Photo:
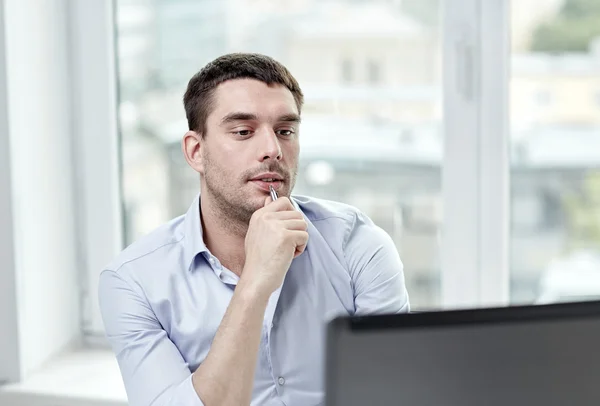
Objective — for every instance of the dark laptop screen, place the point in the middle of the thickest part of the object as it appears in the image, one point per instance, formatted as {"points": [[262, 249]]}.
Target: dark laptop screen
{"points": [[527, 355]]}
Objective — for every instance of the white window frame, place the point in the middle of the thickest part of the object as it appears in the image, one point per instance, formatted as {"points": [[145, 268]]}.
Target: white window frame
{"points": [[474, 236], [97, 142], [474, 248], [39, 220], [9, 346]]}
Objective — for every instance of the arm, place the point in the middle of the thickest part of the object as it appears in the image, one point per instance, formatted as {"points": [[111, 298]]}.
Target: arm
{"points": [[276, 234], [153, 370], [375, 268], [226, 377]]}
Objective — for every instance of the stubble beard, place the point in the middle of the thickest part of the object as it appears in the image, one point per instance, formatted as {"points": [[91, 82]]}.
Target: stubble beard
{"points": [[232, 210], [231, 206]]}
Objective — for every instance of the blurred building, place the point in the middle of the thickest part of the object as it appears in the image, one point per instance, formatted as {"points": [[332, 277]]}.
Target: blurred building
{"points": [[555, 89], [135, 26], [189, 34], [162, 43], [367, 60]]}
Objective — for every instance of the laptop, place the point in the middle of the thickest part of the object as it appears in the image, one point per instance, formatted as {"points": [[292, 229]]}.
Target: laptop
{"points": [[545, 355]]}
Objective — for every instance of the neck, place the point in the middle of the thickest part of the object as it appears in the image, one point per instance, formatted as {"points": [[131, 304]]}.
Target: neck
{"points": [[223, 236]]}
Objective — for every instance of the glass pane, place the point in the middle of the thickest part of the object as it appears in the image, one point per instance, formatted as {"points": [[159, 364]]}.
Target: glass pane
{"points": [[555, 120], [372, 122]]}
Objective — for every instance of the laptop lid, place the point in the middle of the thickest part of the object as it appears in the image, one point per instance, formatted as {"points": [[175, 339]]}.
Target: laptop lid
{"points": [[523, 355]]}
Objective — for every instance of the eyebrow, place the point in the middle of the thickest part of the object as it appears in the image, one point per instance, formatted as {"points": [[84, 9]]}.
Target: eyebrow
{"points": [[290, 118], [240, 116]]}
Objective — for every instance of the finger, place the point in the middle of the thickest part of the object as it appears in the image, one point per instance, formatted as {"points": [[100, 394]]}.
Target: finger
{"points": [[300, 238], [298, 252], [286, 215], [294, 224], [281, 204], [267, 200]]}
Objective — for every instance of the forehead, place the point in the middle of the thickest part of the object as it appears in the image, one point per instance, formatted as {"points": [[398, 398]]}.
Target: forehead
{"points": [[253, 96]]}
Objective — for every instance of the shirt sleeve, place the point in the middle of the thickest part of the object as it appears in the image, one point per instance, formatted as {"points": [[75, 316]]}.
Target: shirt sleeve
{"points": [[152, 368], [376, 269]]}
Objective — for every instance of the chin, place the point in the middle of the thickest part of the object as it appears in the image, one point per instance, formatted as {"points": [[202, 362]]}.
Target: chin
{"points": [[256, 203]]}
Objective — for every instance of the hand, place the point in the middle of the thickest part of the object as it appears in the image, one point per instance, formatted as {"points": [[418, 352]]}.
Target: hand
{"points": [[276, 235]]}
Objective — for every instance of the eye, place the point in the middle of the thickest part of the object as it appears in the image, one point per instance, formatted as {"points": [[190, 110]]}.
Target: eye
{"points": [[285, 133], [242, 133]]}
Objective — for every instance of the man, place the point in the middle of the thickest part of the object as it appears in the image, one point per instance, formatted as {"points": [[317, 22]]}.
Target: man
{"points": [[228, 304]]}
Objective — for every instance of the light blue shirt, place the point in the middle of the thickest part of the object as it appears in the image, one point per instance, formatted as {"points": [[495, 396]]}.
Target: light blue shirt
{"points": [[163, 298]]}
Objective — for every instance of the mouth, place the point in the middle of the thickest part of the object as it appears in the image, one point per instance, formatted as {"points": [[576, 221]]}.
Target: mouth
{"points": [[263, 181], [264, 184]]}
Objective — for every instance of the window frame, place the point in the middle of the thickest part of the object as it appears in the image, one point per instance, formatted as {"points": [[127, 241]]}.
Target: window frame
{"points": [[96, 139], [10, 369], [476, 194], [475, 168]]}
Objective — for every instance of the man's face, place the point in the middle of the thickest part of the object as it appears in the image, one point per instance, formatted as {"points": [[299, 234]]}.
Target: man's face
{"points": [[251, 142]]}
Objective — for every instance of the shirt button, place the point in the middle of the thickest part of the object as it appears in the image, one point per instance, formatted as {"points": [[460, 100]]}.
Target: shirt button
{"points": [[281, 380], [272, 325]]}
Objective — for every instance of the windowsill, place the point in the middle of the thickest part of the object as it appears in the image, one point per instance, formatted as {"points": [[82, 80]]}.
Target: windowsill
{"points": [[77, 378]]}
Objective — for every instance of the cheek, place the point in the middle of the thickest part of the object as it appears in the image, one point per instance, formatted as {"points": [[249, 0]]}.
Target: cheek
{"points": [[239, 153], [229, 151], [291, 151], [220, 155], [233, 159]]}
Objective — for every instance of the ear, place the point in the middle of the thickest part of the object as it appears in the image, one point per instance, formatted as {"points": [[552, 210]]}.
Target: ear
{"points": [[191, 145]]}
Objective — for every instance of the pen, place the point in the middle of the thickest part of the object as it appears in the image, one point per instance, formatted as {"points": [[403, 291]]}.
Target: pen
{"points": [[273, 193]]}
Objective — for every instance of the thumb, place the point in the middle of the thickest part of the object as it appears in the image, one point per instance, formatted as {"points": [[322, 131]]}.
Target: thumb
{"points": [[268, 200]]}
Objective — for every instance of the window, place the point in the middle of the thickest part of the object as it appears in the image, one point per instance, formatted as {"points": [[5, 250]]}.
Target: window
{"points": [[377, 148], [431, 173], [347, 69], [555, 179], [543, 98], [373, 72]]}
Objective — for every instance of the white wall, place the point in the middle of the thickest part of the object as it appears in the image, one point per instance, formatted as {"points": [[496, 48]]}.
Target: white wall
{"points": [[40, 127]]}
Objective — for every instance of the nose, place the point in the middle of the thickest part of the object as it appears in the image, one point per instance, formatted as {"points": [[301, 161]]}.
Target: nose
{"points": [[270, 147]]}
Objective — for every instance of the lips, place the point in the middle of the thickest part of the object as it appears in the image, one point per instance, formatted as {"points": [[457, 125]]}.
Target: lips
{"points": [[264, 180], [264, 185]]}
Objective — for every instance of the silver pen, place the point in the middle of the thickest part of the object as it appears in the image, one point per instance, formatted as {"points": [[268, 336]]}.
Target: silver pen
{"points": [[273, 193]]}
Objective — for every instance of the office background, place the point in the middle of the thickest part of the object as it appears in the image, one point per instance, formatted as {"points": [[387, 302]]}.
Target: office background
{"points": [[470, 133]]}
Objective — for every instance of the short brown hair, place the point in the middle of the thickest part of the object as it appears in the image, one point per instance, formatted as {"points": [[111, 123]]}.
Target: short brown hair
{"points": [[198, 98]]}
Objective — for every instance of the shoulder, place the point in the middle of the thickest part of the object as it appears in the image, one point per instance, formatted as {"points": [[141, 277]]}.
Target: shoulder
{"points": [[348, 221], [317, 210], [367, 252], [348, 232], [160, 246]]}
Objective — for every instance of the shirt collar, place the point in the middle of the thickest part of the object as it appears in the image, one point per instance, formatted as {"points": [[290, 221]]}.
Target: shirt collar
{"points": [[193, 243]]}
